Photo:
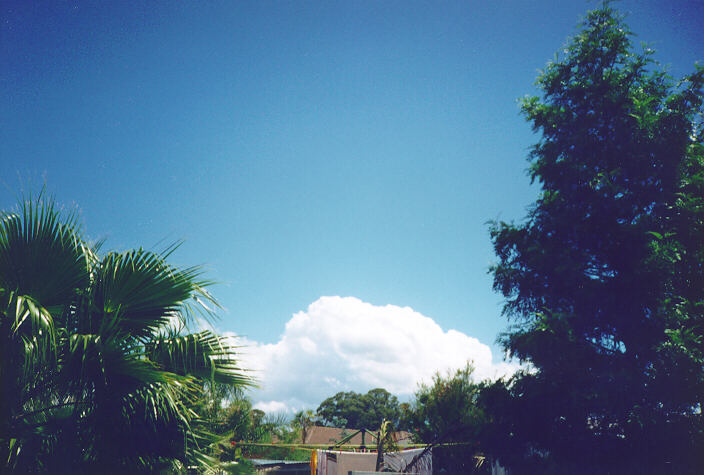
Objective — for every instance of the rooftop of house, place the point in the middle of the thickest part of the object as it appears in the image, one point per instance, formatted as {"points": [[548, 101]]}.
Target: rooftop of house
{"points": [[320, 435]]}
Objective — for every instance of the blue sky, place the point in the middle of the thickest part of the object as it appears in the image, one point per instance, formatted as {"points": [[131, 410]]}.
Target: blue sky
{"points": [[301, 149]]}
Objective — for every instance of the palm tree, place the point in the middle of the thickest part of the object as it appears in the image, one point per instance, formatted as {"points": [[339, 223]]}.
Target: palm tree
{"points": [[97, 371]]}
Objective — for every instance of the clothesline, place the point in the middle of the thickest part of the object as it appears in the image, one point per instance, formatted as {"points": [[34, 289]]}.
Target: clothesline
{"points": [[342, 448]]}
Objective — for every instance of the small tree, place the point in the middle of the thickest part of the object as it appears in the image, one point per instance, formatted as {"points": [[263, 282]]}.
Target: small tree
{"points": [[304, 420], [447, 411], [605, 279]]}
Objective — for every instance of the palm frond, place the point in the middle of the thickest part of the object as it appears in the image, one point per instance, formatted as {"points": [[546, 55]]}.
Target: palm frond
{"points": [[145, 291], [41, 255], [94, 374], [28, 321], [204, 354]]}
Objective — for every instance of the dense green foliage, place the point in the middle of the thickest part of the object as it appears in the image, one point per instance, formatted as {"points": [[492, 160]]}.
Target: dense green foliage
{"points": [[237, 426], [447, 411], [253, 425], [359, 411], [97, 374], [604, 281]]}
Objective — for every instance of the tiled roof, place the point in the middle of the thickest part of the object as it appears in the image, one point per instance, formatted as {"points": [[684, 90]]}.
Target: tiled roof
{"points": [[319, 435]]}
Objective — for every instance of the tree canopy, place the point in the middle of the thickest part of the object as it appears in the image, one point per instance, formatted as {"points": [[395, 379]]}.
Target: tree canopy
{"points": [[359, 411], [604, 280], [447, 411], [97, 371]]}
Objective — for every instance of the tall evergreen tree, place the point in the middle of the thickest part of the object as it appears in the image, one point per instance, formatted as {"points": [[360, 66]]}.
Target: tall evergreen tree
{"points": [[604, 281]]}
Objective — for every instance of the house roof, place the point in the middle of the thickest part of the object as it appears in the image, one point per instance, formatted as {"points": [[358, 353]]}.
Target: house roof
{"points": [[320, 435]]}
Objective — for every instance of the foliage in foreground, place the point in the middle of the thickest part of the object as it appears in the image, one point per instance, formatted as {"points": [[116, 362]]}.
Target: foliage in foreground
{"points": [[96, 372], [445, 413], [604, 281]]}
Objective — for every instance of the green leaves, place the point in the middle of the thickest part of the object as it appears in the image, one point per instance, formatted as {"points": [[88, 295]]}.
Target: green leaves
{"points": [[605, 278], [447, 411], [143, 291], [359, 411], [203, 354], [40, 255], [447, 408], [96, 371]]}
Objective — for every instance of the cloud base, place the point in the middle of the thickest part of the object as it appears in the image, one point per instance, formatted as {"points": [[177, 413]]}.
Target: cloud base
{"points": [[345, 344]]}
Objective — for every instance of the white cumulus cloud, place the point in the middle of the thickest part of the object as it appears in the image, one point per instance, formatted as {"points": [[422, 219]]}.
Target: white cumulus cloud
{"points": [[345, 344]]}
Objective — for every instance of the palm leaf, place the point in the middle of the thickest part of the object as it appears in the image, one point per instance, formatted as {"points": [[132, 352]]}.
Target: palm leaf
{"points": [[204, 355], [41, 256], [31, 326], [94, 375], [146, 292]]}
